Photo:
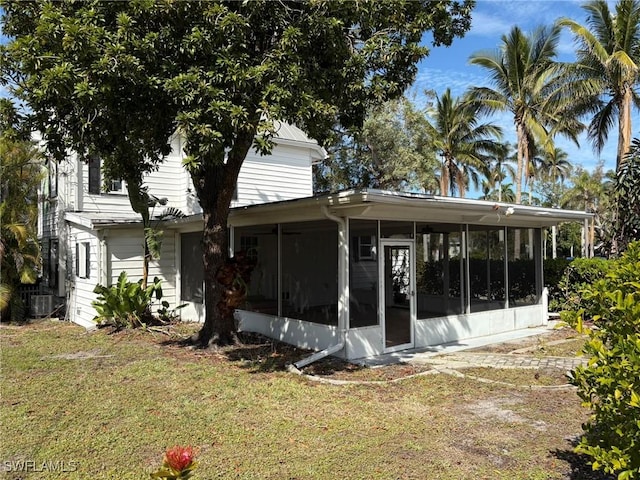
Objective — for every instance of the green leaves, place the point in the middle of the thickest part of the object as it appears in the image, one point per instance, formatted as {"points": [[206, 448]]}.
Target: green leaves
{"points": [[126, 304], [609, 383]]}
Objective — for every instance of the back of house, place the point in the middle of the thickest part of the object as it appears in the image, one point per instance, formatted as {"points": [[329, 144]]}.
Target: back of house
{"points": [[89, 233]]}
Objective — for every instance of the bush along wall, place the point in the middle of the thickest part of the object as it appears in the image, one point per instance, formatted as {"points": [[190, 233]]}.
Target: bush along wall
{"points": [[565, 290], [610, 383]]}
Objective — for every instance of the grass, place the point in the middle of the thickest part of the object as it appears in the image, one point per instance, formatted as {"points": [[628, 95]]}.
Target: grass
{"points": [[111, 404]]}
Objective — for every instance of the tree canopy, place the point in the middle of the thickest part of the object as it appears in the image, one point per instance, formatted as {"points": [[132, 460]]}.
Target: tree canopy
{"points": [[222, 73], [392, 151]]}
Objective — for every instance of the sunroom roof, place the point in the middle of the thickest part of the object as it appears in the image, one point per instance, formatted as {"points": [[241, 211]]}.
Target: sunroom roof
{"points": [[406, 206]]}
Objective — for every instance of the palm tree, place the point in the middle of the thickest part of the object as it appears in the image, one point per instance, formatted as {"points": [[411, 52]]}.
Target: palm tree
{"points": [[532, 171], [608, 62], [530, 85], [555, 169], [464, 144], [592, 192], [500, 166], [556, 166]]}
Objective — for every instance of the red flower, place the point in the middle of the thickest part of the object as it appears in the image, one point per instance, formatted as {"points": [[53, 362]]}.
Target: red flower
{"points": [[179, 458]]}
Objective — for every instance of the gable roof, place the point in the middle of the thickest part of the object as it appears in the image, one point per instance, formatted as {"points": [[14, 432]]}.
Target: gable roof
{"points": [[287, 134]]}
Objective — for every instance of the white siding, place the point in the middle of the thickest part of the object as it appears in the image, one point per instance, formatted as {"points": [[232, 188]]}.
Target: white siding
{"points": [[80, 309], [284, 175], [171, 180], [126, 251], [117, 203]]}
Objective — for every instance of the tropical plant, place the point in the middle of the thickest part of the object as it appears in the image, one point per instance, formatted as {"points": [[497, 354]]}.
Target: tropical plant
{"points": [[20, 175], [627, 198], [126, 304], [581, 273], [500, 167], [593, 192], [178, 464], [532, 86], [608, 66], [225, 74], [465, 146], [608, 383]]}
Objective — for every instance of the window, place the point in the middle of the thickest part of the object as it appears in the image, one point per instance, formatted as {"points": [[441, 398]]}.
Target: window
{"points": [[83, 259], [261, 240], [94, 175], [95, 179], [53, 179], [117, 186], [52, 266], [249, 245], [192, 269], [366, 247], [363, 276]]}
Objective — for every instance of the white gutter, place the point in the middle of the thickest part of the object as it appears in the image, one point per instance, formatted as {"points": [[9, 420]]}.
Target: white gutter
{"points": [[343, 296]]}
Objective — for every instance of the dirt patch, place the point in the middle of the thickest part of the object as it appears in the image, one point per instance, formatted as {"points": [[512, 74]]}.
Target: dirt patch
{"points": [[95, 353], [337, 369], [495, 409], [546, 376]]}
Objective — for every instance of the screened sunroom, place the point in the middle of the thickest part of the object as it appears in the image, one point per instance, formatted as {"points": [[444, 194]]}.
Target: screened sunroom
{"points": [[363, 273]]}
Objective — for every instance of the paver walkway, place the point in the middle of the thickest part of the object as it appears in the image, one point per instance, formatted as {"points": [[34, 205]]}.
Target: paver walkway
{"points": [[498, 360]]}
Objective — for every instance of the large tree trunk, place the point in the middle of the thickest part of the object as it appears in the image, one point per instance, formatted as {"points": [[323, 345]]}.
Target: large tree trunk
{"points": [[522, 157], [215, 183], [444, 178], [624, 127]]}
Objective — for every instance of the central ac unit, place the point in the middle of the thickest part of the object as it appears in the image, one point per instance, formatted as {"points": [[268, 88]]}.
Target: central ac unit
{"points": [[41, 305]]}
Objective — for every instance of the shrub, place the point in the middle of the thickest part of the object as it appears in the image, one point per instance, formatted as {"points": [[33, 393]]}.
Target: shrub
{"points": [[554, 269], [126, 304], [580, 274], [610, 383]]}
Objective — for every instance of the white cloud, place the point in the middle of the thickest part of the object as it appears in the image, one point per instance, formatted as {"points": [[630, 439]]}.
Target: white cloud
{"points": [[489, 25]]}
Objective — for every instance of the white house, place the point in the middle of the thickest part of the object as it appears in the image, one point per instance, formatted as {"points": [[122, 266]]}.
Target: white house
{"points": [[89, 236], [355, 273]]}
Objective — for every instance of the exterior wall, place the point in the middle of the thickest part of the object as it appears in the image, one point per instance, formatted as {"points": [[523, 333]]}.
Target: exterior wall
{"points": [[367, 341], [364, 342], [295, 332], [455, 328], [284, 175], [81, 289], [125, 253]]}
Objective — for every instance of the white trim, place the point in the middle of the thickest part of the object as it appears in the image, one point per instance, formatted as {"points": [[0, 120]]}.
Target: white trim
{"points": [[410, 244]]}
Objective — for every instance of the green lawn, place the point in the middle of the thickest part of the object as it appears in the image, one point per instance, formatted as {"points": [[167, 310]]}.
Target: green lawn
{"points": [[106, 406]]}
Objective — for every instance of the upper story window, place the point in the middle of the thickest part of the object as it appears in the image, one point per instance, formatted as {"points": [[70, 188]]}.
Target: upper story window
{"points": [[53, 179], [95, 178]]}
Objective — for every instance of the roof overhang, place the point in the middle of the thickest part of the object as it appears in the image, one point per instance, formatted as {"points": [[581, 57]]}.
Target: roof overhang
{"points": [[386, 205], [364, 204], [99, 221]]}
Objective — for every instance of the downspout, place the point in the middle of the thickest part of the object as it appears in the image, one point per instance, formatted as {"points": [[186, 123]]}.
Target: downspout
{"points": [[343, 252]]}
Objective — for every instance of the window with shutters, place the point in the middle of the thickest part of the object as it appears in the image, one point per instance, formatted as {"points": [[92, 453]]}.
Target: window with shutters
{"points": [[95, 179]]}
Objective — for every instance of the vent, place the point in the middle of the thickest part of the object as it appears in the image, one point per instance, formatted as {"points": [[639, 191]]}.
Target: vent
{"points": [[41, 305]]}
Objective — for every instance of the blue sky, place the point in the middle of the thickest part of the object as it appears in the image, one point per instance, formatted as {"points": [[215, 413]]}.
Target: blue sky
{"points": [[449, 67]]}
